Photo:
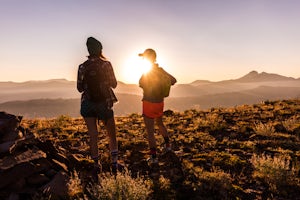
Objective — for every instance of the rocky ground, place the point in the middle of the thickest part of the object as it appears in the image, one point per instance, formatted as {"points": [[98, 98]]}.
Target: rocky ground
{"points": [[244, 152]]}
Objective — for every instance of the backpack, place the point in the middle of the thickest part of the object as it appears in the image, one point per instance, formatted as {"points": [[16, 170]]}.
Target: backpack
{"points": [[95, 78], [159, 83], [165, 83]]}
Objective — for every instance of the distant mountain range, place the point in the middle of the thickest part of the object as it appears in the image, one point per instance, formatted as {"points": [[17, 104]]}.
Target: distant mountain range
{"points": [[58, 96], [254, 76]]}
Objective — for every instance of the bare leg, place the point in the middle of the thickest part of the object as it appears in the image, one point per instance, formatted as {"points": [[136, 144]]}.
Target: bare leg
{"points": [[111, 129], [149, 123], [162, 128], [93, 133], [163, 131]]}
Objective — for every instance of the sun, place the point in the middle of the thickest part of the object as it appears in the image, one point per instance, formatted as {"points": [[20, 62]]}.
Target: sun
{"points": [[134, 67]]}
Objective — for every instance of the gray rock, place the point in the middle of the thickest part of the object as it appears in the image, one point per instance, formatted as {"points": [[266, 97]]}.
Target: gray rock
{"points": [[12, 160]]}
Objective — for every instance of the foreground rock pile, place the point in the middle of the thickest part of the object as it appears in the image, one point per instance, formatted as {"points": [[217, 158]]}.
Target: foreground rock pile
{"points": [[28, 165]]}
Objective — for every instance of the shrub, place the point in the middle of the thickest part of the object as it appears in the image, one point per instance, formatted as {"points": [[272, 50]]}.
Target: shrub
{"points": [[291, 123], [75, 187], [61, 121], [121, 186], [215, 122], [164, 183], [276, 171], [264, 129], [216, 184]]}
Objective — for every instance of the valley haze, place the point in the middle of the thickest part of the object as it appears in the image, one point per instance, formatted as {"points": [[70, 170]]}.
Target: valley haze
{"points": [[55, 97]]}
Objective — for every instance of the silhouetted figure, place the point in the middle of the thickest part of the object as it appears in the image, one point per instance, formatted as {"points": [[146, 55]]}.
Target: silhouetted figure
{"points": [[95, 81], [156, 86]]}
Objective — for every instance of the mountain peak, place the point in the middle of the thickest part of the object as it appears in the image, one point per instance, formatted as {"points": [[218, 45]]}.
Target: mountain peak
{"points": [[250, 75], [253, 73], [254, 76], [200, 82]]}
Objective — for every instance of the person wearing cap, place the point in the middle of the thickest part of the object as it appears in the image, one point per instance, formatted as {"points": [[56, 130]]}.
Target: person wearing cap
{"points": [[92, 111], [153, 102]]}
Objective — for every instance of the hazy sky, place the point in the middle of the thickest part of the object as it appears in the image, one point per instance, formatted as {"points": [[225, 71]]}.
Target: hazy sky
{"points": [[194, 39]]}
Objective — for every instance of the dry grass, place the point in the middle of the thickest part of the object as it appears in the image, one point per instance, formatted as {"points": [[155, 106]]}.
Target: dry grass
{"points": [[217, 182], [291, 124], [120, 187], [110, 187], [75, 188], [264, 129], [275, 171], [246, 152]]}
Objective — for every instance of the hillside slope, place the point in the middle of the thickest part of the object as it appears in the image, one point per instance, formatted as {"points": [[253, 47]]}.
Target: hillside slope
{"points": [[243, 152], [129, 103]]}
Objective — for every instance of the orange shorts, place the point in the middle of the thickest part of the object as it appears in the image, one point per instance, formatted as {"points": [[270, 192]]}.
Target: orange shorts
{"points": [[153, 110]]}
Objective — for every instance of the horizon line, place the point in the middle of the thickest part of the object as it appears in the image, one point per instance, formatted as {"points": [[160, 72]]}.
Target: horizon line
{"points": [[124, 82]]}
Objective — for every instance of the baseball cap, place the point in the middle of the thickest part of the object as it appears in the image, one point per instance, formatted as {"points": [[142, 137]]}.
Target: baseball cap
{"points": [[148, 53]]}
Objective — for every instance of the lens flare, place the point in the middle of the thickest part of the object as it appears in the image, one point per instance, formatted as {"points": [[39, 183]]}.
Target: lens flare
{"points": [[134, 68]]}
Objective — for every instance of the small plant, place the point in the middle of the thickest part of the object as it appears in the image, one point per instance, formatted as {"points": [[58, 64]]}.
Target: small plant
{"points": [[75, 187], [264, 129], [61, 121], [215, 184], [165, 183], [216, 122], [119, 187], [276, 171], [291, 123]]}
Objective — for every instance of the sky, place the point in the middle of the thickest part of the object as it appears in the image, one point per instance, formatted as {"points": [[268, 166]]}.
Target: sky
{"points": [[194, 39]]}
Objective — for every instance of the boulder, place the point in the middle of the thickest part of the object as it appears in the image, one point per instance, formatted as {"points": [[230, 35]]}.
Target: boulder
{"points": [[12, 160], [9, 127], [28, 164]]}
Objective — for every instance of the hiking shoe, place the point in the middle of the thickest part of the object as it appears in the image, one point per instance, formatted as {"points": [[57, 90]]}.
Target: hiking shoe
{"points": [[95, 171], [152, 161], [167, 148], [115, 167]]}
